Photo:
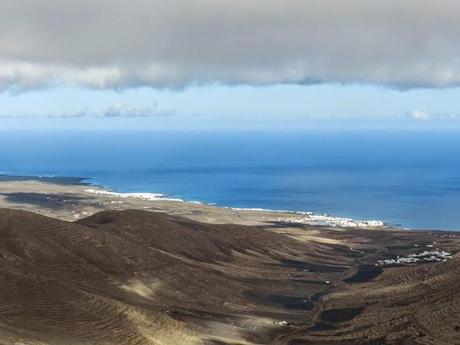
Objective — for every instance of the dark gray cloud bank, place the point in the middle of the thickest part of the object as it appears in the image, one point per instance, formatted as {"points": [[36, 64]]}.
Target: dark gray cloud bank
{"points": [[119, 44]]}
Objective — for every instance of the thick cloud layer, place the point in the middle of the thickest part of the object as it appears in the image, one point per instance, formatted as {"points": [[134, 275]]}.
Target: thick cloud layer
{"points": [[174, 43]]}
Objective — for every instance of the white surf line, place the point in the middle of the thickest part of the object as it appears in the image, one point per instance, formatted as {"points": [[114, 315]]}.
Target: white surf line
{"points": [[265, 210], [142, 196]]}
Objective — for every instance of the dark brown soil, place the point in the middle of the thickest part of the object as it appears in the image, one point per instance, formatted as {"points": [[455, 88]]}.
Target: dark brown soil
{"points": [[137, 277], [365, 273], [340, 315], [50, 201]]}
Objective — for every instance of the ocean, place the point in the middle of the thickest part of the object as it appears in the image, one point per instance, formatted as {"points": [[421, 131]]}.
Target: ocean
{"points": [[405, 178]]}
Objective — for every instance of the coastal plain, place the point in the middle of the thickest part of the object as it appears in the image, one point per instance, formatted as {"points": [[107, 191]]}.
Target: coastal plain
{"points": [[82, 267]]}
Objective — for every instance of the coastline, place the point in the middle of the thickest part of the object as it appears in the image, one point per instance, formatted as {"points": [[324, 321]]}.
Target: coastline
{"points": [[304, 217], [71, 198]]}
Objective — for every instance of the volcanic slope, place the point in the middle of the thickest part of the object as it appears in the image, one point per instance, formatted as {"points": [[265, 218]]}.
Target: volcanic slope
{"points": [[138, 277]]}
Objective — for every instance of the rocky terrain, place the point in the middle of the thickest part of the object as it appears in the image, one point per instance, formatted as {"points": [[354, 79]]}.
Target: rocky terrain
{"points": [[141, 277]]}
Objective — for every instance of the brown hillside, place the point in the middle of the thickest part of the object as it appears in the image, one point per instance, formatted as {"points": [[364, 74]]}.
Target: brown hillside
{"points": [[137, 277]]}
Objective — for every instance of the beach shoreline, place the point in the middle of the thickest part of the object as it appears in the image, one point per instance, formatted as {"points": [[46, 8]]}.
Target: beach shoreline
{"points": [[72, 198]]}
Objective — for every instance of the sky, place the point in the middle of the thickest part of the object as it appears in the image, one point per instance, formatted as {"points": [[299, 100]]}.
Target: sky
{"points": [[230, 64]]}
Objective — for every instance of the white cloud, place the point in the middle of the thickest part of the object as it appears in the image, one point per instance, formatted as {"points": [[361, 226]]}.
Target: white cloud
{"points": [[23, 76], [115, 110], [126, 111], [425, 116], [419, 115], [175, 43]]}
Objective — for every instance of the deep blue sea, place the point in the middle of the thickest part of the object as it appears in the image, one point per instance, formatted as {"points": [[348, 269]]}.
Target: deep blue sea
{"points": [[407, 178]]}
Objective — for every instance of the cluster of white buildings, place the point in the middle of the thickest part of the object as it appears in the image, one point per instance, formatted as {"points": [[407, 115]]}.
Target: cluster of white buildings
{"points": [[423, 257], [326, 220]]}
